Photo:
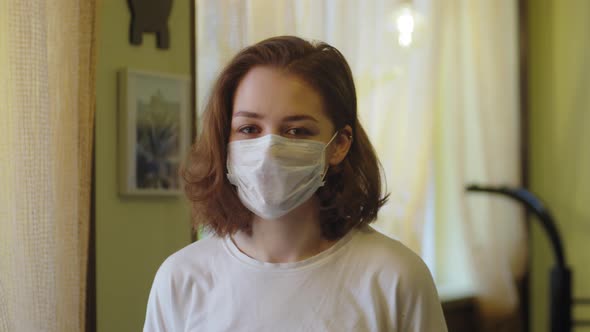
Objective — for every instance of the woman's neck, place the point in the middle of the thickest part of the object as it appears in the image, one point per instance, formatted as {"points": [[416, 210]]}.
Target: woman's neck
{"points": [[293, 237]]}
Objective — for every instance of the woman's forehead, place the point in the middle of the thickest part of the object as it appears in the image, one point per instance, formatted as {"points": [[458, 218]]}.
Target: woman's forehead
{"points": [[269, 90]]}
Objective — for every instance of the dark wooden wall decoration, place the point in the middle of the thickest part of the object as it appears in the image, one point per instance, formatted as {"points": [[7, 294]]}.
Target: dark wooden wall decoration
{"points": [[150, 16]]}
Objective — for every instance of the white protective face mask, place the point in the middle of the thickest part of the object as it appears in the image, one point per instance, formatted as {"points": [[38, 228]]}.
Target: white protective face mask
{"points": [[274, 174]]}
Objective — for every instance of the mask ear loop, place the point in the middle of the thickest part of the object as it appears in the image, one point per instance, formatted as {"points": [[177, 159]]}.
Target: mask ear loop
{"points": [[324, 155]]}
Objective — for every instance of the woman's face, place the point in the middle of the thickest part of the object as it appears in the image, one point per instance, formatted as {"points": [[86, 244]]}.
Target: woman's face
{"points": [[270, 101]]}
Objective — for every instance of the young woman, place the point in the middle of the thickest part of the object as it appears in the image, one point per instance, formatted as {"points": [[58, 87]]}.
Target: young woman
{"points": [[287, 181]]}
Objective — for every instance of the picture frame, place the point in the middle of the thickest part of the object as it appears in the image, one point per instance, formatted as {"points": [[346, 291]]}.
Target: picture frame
{"points": [[153, 132]]}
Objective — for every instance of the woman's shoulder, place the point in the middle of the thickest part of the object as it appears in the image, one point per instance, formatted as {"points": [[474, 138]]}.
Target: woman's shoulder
{"points": [[406, 279], [377, 243], [399, 271], [184, 276], [195, 258], [389, 255]]}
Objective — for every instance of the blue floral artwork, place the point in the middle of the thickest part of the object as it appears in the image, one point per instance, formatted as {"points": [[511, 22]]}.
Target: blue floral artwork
{"points": [[157, 150]]}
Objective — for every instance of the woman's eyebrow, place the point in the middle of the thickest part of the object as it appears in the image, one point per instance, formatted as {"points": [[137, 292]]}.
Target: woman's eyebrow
{"points": [[292, 118], [247, 114]]}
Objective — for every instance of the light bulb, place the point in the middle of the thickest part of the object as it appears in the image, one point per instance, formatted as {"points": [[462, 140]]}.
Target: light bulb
{"points": [[405, 23]]}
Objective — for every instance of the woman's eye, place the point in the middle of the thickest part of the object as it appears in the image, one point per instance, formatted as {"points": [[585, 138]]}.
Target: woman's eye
{"points": [[298, 132], [248, 130]]}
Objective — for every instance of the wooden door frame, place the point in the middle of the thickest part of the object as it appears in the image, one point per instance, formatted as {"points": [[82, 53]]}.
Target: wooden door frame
{"points": [[523, 36]]}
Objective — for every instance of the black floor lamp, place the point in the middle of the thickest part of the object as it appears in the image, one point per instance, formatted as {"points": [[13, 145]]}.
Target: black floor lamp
{"points": [[561, 300]]}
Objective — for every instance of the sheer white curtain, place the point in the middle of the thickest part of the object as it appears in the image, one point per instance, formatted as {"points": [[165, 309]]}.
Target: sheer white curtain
{"points": [[477, 141], [426, 109], [46, 119]]}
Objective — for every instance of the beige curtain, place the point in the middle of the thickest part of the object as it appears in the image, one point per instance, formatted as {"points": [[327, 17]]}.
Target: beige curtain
{"points": [[441, 113], [47, 97]]}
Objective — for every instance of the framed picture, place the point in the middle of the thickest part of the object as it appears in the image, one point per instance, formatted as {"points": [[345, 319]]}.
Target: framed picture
{"points": [[154, 131]]}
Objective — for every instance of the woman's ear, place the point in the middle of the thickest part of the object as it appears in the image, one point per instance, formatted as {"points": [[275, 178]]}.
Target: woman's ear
{"points": [[341, 146]]}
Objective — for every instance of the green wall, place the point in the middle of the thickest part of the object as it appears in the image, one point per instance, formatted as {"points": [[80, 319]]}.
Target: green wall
{"points": [[559, 106], [133, 236]]}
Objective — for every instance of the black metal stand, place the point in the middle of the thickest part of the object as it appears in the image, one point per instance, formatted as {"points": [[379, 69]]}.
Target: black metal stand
{"points": [[561, 276]]}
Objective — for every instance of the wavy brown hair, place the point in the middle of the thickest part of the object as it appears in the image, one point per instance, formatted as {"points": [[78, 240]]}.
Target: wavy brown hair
{"points": [[352, 194]]}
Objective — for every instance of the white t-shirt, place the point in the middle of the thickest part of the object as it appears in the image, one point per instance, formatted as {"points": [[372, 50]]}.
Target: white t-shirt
{"points": [[364, 282]]}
